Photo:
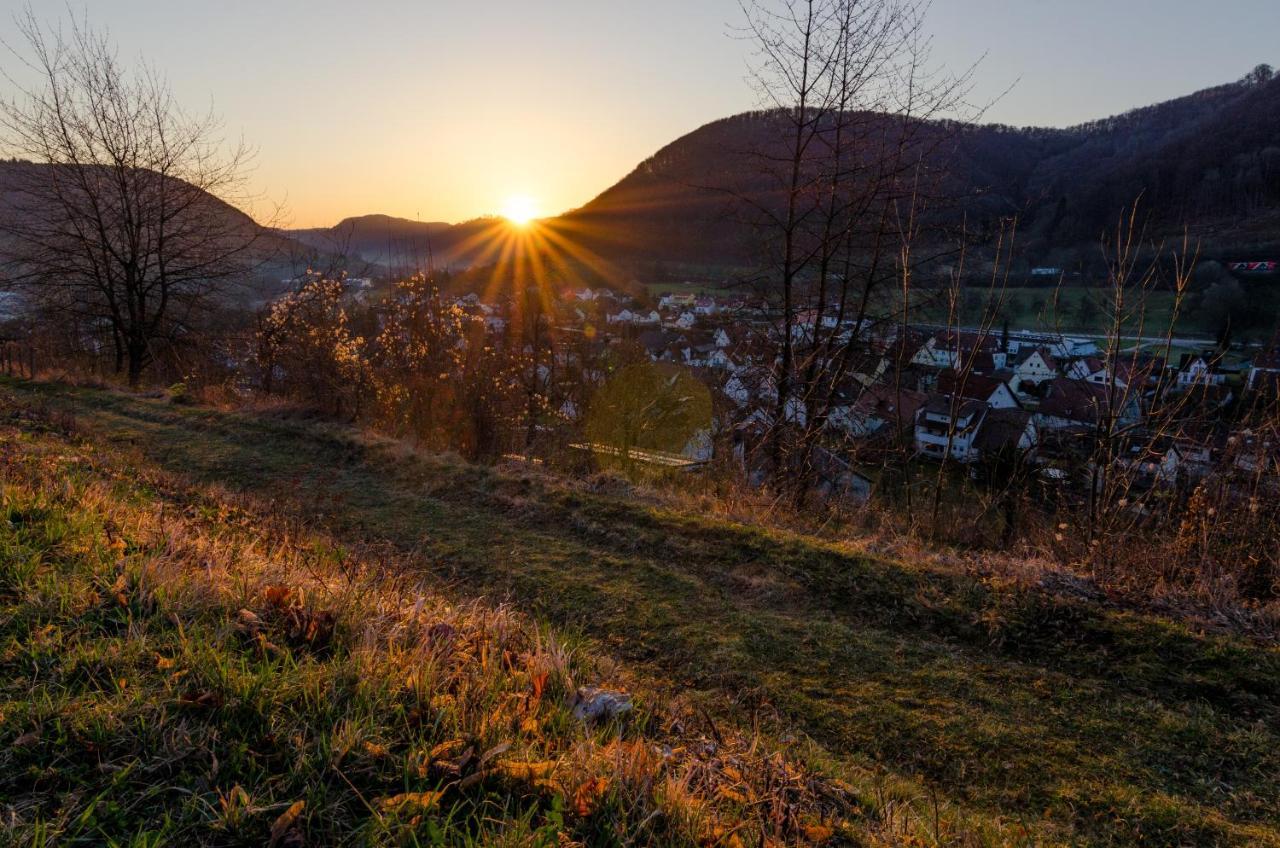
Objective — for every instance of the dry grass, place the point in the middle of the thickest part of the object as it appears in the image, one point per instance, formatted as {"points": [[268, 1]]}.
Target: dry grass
{"points": [[210, 625], [958, 705]]}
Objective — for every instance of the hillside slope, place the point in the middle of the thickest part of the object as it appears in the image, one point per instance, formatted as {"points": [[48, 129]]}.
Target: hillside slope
{"points": [[1021, 715], [1209, 160]]}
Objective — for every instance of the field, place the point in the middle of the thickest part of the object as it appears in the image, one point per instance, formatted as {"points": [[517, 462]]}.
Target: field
{"points": [[1049, 309], [951, 708]]}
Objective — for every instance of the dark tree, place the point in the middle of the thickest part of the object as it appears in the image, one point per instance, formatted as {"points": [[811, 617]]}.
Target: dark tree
{"points": [[118, 213]]}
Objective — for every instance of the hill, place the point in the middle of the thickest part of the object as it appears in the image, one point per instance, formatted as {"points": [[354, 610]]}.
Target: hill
{"points": [[945, 707], [272, 255], [1208, 161]]}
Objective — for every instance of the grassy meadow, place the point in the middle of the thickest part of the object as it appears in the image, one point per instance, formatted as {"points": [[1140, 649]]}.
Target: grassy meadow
{"points": [[239, 628]]}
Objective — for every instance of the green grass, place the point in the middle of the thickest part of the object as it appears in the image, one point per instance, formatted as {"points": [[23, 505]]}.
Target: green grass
{"points": [[1051, 310], [1021, 715]]}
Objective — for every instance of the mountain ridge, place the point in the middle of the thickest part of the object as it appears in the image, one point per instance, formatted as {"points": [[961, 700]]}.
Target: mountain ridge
{"points": [[1207, 161]]}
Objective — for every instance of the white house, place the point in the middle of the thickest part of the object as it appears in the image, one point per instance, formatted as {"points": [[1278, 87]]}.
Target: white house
{"points": [[1201, 370], [1036, 367], [993, 391], [945, 424]]}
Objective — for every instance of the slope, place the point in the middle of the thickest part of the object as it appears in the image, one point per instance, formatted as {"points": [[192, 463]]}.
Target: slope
{"points": [[1001, 704]]}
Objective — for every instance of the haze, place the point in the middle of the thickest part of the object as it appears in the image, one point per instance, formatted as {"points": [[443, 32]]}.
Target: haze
{"points": [[446, 111]]}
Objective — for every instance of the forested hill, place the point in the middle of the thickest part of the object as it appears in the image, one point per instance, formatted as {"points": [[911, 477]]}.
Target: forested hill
{"points": [[1209, 161]]}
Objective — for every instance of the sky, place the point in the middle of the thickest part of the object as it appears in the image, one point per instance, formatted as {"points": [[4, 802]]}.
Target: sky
{"points": [[449, 109]]}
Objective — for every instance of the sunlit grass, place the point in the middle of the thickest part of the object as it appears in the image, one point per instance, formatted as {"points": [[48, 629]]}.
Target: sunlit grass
{"points": [[1021, 716]]}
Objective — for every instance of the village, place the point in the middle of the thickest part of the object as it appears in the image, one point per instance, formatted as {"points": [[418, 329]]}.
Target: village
{"points": [[973, 399]]}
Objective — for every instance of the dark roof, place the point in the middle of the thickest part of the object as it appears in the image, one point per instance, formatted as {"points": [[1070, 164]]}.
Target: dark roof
{"points": [[938, 404], [884, 402], [1002, 428], [973, 386], [1268, 359], [655, 339], [1074, 400]]}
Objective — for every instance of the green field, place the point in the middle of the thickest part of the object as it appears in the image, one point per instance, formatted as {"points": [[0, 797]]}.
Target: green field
{"points": [[961, 710]]}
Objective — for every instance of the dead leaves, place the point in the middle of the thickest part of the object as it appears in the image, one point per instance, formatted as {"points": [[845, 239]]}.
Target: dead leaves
{"points": [[409, 803], [289, 616], [286, 832], [201, 699], [588, 795], [537, 772]]}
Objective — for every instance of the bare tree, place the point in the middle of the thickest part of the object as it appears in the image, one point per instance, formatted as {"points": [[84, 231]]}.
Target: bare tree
{"points": [[846, 175], [121, 210]]}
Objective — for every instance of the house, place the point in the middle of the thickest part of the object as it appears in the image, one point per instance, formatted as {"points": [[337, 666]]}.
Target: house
{"points": [[1076, 403], [987, 362], [1264, 364], [1128, 371], [1152, 461], [705, 306], [837, 478], [1200, 368], [674, 302], [945, 349], [949, 424], [1007, 432], [875, 408], [686, 320], [993, 391], [1036, 366]]}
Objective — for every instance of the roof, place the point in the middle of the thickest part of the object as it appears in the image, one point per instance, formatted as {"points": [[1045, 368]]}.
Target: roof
{"points": [[973, 386], [1002, 428], [1074, 400], [1044, 354], [939, 404], [1268, 359], [882, 401]]}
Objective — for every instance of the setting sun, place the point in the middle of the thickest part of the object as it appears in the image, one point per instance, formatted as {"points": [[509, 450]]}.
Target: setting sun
{"points": [[520, 209]]}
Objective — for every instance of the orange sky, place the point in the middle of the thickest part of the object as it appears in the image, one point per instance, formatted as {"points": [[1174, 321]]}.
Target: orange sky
{"points": [[442, 110]]}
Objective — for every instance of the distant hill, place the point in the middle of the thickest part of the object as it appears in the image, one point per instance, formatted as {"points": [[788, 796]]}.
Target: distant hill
{"points": [[277, 256], [399, 243], [1209, 162]]}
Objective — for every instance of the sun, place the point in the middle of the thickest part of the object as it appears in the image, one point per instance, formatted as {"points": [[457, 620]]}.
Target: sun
{"points": [[520, 209]]}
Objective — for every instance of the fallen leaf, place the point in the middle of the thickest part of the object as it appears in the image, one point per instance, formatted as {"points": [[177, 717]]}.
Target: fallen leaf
{"points": [[730, 794], [527, 771], [201, 698], [163, 663], [817, 832], [585, 798], [278, 596], [410, 802], [444, 749], [286, 823], [500, 748]]}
